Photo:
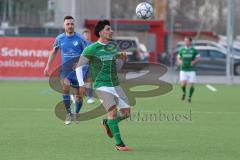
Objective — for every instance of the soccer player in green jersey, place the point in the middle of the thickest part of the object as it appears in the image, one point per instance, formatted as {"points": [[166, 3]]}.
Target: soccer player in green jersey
{"points": [[187, 58], [102, 59]]}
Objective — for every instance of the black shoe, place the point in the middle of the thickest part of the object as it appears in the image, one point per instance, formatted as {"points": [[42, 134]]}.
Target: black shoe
{"points": [[105, 125], [121, 145], [183, 97]]}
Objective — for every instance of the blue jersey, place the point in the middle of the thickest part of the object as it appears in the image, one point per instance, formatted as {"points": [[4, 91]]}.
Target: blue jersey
{"points": [[70, 48]]}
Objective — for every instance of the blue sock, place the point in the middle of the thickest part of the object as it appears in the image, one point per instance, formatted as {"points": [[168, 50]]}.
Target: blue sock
{"points": [[90, 93], [78, 106], [67, 103]]}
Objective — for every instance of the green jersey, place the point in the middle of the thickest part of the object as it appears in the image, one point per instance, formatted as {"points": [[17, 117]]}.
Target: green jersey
{"points": [[188, 55], [102, 62]]}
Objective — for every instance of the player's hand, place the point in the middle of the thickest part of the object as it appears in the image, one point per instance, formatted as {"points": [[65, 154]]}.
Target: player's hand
{"points": [[180, 62], [74, 66], [123, 56], [192, 63], [82, 91], [46, 71]]}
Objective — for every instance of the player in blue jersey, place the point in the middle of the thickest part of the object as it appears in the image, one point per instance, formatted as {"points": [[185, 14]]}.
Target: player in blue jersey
{"points": [[71, 45]]}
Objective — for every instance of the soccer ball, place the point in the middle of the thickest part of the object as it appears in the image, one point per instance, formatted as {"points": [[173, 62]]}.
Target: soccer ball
{"points": [[144, 10]]}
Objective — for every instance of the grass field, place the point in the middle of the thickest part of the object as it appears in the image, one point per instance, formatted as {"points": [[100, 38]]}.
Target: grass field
{"points": [[30, 130]]}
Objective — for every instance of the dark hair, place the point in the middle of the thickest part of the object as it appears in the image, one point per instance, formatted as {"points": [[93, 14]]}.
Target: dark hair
{"points": [[189, 38], [68, 17], [100, 26]]}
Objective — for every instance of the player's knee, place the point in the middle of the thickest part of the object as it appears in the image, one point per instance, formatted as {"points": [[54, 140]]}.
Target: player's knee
{"points": [[78, 98], [184, 83], [65, 91], [112, 112], [112, 115]]}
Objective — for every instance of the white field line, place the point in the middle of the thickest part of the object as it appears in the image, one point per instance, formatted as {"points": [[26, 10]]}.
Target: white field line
{"points": [[211, 88]]}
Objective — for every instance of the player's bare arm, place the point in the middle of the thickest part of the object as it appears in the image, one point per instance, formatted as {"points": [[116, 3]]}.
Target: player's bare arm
{"points": [[51, 57], [198, 59], [179, 60], [121, 59]]}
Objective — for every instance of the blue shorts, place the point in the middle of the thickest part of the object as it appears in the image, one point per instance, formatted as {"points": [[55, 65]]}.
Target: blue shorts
{"points": [[72, 77]]}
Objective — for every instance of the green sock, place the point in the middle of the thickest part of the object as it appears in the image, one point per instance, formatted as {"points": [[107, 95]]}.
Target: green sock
{"points": [[184, 89], [191, 92], [113, 126]]}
